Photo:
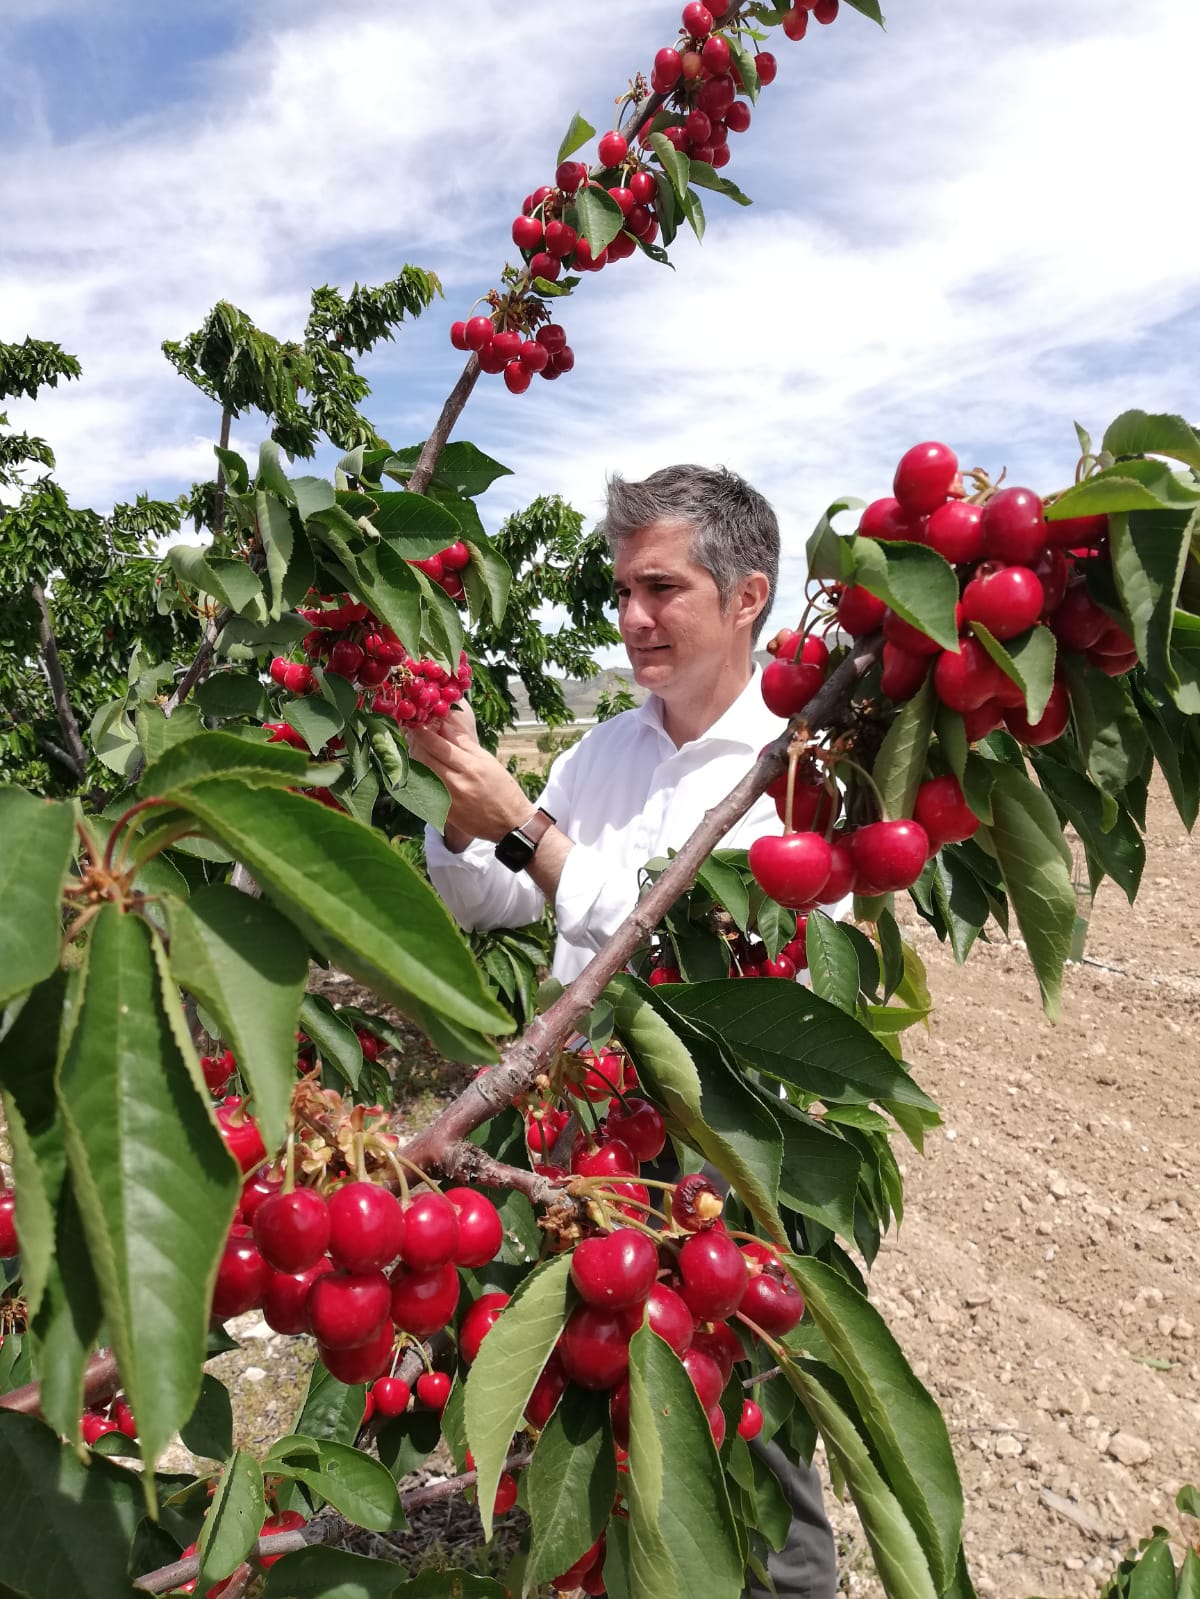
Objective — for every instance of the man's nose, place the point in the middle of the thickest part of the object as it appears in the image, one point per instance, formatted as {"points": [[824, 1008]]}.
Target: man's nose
{"points": [[635, 616]]}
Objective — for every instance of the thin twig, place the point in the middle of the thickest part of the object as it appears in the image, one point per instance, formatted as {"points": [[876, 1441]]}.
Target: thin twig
{"points": [[100, 1382], [74, 757]]}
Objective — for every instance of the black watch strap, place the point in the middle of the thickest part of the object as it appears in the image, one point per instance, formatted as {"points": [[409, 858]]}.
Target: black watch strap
{"points": [[516, 849]]}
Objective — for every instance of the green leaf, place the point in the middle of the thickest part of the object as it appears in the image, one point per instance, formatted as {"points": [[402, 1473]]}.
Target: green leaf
{"points": [[960, 899], [237, 473], [1154, 1575], [869, 8], [820, 1172], [706, 177], [229, 694], [248, 965], [904, 1422], [312, 494], [915, 581], [315, 720], [571, 1483], [1189, 1576], [460, 467], [441, 623], [1187, 1500], [576, 136], [37, 843], [1026, 836], [795, 1037], [337, 1043], [1137, 433], [236, 1513], [362, 905], [1149, 551], [318, 1573], [1132, 486], [899, 1559], [600, 218], [683, 1541], [425, 795], [230, 581], [832, 962], [1028, 660], [727, 887], [156, 1184], [900, 764], [67, 1527], [331, 1409], [509, 1362], [274, 521], [270, 472], [717, 1112], [157, 733], [675, 164], [1117, 849], [354, 1483], [829, 555], [208, 1431], [747, 68], [209, 755]]}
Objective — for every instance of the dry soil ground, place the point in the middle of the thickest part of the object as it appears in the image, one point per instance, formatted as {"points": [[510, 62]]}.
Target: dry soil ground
{"points": [[1046, 1281]]}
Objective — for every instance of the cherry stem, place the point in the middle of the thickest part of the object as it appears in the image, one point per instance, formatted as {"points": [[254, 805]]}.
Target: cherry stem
{"points": [[289, 1171], [793, 762], [762, 1376], [401, 1178], [845, 760]]}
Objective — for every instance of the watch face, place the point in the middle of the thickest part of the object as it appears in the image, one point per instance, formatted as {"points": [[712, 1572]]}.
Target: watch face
{"points": [[514, 851]]}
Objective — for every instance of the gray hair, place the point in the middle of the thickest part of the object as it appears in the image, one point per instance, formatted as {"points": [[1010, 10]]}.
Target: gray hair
{"points": [[734, 530]]}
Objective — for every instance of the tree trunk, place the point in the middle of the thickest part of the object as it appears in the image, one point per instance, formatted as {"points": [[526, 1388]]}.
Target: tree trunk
{"points": [[72, 737]]}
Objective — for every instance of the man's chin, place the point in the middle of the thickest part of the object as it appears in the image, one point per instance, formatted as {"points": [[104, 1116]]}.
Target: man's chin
{"points": [[650, 668]]}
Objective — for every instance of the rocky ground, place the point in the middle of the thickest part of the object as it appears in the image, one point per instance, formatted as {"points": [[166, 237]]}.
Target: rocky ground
{"points": [[1045, 1283]]}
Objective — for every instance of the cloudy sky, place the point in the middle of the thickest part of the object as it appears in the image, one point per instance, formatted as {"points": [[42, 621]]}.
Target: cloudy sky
{"points": [[973, 226]]}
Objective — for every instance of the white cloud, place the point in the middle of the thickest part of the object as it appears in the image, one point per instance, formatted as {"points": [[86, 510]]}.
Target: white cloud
{"points": [[968, 227]]}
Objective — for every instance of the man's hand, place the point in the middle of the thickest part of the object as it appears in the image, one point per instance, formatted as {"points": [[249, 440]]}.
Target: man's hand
{"points": [[486, 801]]}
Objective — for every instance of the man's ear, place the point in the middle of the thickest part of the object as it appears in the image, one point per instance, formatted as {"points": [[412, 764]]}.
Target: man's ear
{"points": [[750, 599]]}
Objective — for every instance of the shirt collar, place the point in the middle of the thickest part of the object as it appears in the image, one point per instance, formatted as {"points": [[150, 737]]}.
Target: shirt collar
{"points": [[747, 724]]}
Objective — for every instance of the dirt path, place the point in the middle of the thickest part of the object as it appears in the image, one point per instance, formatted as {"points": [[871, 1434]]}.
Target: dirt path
{"points": [[1045, 1283]]}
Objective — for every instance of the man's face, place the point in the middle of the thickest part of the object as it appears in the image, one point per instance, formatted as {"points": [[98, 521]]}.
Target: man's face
{"points": [[669, 611]]}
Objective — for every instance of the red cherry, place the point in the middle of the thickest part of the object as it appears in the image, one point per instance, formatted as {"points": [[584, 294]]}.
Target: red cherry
{"points": [[241, 1134], [1078, 622], [479, 332], [795, 23], [360, 1362], [1014, 527], [716, 1422], [456, 557], [527, 233], [542, 1128], [292, 1230], [241, 1276], [218, 1069], [792, 868], [594, 1347], [345, 658], [716, 96], [667, 66], [981, 721], [285, 1521], [560, 238], [842, 875], [480, 1230], [886, 520], [391, 1395], [897, 631], [705, 1375], [737, 118], [665, 974], [1053, 572], [609, 1158], [943, 812], [508, 344], [615, 1270], [346, 1308], [491, 361], [771, 1301], [94, 1426], [618, 1410], [716, 55], [612, 149], [506, 1494], [458, 335], [638, 1124], [601, 1077], [570, 175], [955, 531], [697, 19], [858, 610], [788, 687], [903, 673], [964, 681], [479, 1320], [1113, 665], [713, 1273], [767, 67], [366, 1227], [719, 1340], [430, 1232], [781, 967], [547, 1391], [1077, 530], [423, 1301], [924, 478], [669, 1317], [1007, 602], [285, 1298], [516, 377], [433, 1389], [1054, 719], [8, 1226], [890, 855], [825, 11], [751, 1423]]}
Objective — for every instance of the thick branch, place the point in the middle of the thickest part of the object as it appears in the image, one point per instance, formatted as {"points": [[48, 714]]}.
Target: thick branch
{"points": [[532, 1053], [100, 1382], [451, 411], [76, 752]]}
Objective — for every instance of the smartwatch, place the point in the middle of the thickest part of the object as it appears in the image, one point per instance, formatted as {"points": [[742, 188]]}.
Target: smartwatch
{"points": [[515, 849]]}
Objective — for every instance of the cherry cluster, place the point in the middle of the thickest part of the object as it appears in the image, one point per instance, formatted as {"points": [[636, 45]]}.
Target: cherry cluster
{"points": [[699, 82], [337, 1254], [116, 1416], [354, 644], [748, 957], [1015, 570], [281, 1521]]}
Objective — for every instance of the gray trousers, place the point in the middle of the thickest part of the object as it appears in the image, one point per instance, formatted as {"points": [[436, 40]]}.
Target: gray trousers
{"points": [[806, 1566]]}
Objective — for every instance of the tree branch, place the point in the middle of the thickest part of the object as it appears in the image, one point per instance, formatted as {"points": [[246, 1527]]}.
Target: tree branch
{"points": [[436, 442], [76, 751], [101, 1380], [532, 1053]]}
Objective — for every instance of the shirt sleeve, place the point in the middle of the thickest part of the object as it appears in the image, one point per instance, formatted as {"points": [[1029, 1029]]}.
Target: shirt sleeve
{"points": [[593, 897]]}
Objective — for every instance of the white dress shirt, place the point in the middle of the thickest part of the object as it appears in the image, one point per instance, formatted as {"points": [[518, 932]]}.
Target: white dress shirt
{"points": [[624, 794]]}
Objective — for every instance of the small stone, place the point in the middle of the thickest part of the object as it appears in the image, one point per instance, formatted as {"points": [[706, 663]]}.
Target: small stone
{"points": [[1060, 1188], [1166, 1325], [1129, 1449], [258, 1329], [940, 1313], [254, 1374], [1073, 1563], [977, 1297], [1170, 1211], [1183, 1329], [1007, 1446]]}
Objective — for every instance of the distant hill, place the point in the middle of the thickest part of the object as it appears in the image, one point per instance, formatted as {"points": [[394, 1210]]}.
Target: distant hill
{"points": [[582, 696]]}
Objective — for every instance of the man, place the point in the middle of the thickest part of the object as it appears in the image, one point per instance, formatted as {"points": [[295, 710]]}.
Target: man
{"points": [[695, 563]]}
